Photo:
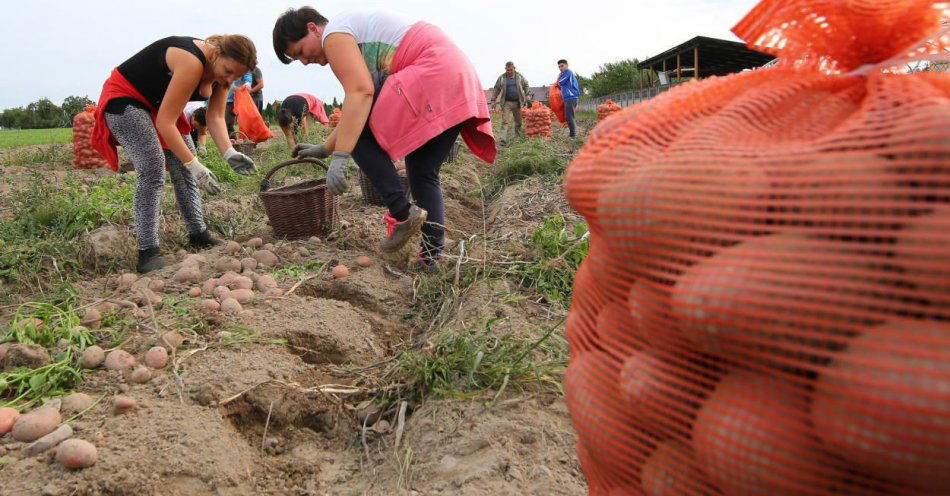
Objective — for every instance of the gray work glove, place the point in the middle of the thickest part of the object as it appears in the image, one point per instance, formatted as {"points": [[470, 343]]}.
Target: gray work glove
{"points": [[306, 150], [241, 163], [205, 178], [337, 172]]}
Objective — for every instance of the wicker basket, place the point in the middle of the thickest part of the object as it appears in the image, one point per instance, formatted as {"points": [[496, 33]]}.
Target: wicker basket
{"points": [[243, 145], [372, 197], [300, 210]]}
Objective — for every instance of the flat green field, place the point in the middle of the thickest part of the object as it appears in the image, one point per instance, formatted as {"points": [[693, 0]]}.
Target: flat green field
{"points": [[12, 138]]}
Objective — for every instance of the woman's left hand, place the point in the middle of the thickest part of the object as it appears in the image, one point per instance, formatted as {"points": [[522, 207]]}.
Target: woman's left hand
{"points": [[241, 163]]}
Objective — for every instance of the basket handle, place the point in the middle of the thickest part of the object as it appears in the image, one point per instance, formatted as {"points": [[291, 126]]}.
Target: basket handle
{"points": [[265, 183], [238, 134]]}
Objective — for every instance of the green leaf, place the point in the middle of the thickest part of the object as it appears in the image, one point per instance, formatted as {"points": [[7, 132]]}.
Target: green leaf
{"points": [[37, 382]]}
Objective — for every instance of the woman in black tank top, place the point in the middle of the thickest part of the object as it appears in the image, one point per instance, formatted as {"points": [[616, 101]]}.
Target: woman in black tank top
{"points": [[159, 80]]}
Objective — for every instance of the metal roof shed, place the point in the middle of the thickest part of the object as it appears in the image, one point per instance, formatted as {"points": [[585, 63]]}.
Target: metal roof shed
{"points": [[705, 57]]}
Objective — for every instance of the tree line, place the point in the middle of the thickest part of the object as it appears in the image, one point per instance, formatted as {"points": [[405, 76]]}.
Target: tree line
{"points": [[610, 78], [44, 114]]}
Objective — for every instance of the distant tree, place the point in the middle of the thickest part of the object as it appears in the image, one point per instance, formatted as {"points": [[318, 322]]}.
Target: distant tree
{"points": [[46, 114], [73, 105], [613, 77], [335, 104]]}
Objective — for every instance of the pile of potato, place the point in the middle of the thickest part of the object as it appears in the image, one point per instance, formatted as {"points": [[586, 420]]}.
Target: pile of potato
{"points": [[84, 155], [606, 109], [538, 119]]}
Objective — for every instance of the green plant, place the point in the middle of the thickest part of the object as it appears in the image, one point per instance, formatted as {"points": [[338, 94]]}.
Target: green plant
{"points": [[298, 271], [463, 364], [560, 250], [49, 326]]}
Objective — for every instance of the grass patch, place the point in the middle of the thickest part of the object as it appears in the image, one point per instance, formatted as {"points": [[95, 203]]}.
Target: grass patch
{"points": [[560, 249], [41, 245], [467, 363], [13, 138], [47, 154], [526, 158]]}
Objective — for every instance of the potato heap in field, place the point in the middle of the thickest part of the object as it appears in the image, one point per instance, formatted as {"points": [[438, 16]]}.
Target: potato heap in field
{"points": [[765, 307], [607, 109], [538, 120], [84, 155]]}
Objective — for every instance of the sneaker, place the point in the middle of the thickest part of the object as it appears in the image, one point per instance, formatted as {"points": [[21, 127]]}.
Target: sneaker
{"points": [[399, 233], [149, 260], [203, 240]]}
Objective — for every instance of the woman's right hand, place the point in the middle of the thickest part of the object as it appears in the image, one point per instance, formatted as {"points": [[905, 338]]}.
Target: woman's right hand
{"points": [[307, 150], [205, 178]]}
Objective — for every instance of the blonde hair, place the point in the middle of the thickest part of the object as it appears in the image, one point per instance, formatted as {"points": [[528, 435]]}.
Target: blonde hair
{"points": [[236, 47]]}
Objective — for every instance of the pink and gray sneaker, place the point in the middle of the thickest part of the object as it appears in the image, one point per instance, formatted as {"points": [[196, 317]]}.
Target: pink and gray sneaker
{"points": [[399, 233]]}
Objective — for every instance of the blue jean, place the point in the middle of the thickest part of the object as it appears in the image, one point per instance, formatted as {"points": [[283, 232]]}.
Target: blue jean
{"points": [[569, 106]]}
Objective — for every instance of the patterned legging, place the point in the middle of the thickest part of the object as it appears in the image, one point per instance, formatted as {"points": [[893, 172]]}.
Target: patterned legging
{"points": [[133, 129]]}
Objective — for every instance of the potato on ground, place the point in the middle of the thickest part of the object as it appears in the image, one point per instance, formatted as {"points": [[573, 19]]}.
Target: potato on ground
{"points": [[76, 454], [8, 417], [33, 425]]}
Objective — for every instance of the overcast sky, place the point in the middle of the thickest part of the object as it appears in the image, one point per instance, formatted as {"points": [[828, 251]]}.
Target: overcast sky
{"points": [[58, 48]]}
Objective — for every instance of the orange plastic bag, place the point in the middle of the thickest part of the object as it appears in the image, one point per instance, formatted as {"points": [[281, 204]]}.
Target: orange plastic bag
{"points": [[765, 307], [556, 101], [335, 117], [249, 119], [85, 156]]}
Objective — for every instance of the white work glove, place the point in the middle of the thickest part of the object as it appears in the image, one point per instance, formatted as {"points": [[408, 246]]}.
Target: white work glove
{"points": [[241, 163], [337, 172], [306, 150], [205, 178], [202, 150]]}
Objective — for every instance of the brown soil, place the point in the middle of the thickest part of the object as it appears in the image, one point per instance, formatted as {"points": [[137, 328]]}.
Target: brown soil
{"points": [[249, 417]]}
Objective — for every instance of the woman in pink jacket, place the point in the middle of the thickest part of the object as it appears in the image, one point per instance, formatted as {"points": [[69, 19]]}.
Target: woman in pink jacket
{"points": [[409, 93]]}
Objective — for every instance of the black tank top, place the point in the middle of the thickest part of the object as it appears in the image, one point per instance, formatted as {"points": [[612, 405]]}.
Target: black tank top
{"points": [[148, 71]]}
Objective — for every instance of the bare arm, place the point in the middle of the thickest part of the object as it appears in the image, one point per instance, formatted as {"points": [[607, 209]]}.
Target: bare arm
{"points": [[306, 125], [289, 135], [347, 64], [259, 86], [186, 74]]}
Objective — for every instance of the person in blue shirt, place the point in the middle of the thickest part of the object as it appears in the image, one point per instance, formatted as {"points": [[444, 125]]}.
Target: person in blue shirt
{"points": [[246, 80], [570, 91]]}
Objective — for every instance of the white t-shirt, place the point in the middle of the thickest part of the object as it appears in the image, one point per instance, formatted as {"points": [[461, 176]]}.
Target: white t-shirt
{"points": [[378, 33], [190, 108]]}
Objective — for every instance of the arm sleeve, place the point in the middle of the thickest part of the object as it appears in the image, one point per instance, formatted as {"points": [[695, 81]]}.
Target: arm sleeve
{"points": [[497, 89]]}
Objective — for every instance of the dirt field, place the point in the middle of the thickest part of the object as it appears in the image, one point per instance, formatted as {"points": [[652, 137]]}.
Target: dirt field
{"points": [[360, 385]]}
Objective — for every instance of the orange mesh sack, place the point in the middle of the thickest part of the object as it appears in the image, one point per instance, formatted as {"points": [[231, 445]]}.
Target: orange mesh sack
{"points": [[335, 117], [765, 307], [538, 120], [556, 101], [84, 155], [606, 109]]}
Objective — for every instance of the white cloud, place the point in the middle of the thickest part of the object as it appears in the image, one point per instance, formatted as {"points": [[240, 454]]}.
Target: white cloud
{"points": [[59, 48]]}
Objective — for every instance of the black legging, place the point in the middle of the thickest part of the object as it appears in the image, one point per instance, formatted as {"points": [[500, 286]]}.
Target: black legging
{"points": [[422, 167]]}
